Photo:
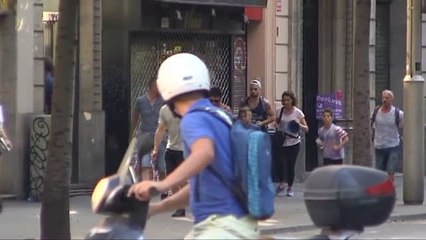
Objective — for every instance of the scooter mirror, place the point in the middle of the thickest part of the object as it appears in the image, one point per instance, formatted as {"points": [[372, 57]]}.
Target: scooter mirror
{"points": [[146, 147]]}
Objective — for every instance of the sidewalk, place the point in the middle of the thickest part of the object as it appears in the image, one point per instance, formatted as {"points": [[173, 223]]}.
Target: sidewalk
{"points": [[20, 219], [291, 214]]}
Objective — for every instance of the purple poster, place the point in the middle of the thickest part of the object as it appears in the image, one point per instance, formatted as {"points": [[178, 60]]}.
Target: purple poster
{"points": [[330, 101]]}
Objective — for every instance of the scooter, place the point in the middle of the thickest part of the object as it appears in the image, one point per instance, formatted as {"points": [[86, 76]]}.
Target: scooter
{"points": [[341, 200], [125, 216]]}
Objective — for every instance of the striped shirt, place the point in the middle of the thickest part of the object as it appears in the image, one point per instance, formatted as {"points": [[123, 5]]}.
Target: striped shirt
{"points": [[332, 136]]}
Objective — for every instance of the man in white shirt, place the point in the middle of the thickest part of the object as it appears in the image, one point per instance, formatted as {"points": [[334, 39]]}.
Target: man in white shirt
{"points": [[386, 124], [174, 149]]}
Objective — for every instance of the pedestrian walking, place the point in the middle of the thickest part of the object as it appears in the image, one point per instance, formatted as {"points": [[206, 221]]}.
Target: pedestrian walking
{"points": [[174, 149], [331, 139], [216, 99], [184, 82], [260, 107], [146, 110], [291, 120], [245, 116], [386, 122], [48, 85]]}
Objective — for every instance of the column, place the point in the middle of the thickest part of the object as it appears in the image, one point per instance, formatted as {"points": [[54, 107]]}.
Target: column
{"points": [[91, 119]]}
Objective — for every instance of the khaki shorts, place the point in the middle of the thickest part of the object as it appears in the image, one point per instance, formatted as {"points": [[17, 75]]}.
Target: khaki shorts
{"points": [[225, 227]]}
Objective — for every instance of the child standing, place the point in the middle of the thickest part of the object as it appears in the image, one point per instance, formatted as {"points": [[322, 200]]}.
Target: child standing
{"points": [[331, 138], [245, 117]]}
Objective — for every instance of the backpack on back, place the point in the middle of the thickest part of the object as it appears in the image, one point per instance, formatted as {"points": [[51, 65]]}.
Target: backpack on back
{"points": [[251, 155], [373, 120]]}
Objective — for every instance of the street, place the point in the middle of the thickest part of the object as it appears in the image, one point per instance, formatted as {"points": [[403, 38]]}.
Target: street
{"points": [[20, 220], [392, 230]]}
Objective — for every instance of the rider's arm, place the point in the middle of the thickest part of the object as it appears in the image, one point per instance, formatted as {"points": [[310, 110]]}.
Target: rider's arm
{"points": [[202, 153], [176, 201]]}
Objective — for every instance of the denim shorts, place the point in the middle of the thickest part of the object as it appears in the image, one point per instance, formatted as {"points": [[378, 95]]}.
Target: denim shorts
{"points": [[146, 161], [387, 159], [159, 165]]}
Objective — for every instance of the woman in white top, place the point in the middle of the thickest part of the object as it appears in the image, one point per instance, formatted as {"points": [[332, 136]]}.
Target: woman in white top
{"points": [[291, 121]]}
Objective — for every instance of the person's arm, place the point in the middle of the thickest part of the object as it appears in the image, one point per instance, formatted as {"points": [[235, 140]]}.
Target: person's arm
{"points": [[227, 109], [270, 112], [344, 140], [159, 134], [401, 119], [176, 201], [202, 154], [303, 125]]}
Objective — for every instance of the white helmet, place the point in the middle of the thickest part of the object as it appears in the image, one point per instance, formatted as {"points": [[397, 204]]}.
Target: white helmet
{"points": [[182, 73]]}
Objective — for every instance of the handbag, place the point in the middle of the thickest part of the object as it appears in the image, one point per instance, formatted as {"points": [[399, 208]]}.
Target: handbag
{"points": [[278, 135], [5, 145]]}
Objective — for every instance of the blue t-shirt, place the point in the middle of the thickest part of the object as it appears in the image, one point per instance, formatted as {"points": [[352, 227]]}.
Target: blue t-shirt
{"points": [[211, 196], [149, 113]]}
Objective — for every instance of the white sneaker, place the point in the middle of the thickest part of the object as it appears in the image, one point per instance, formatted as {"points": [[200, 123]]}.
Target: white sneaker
{"points": [[281, 194], [290, 193]]}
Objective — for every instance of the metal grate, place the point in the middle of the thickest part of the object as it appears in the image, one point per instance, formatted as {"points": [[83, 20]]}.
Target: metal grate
{"points": [[149, 49]]}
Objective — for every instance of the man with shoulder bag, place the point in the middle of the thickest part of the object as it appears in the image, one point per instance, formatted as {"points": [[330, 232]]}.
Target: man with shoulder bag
{"points": [[385, 124]]}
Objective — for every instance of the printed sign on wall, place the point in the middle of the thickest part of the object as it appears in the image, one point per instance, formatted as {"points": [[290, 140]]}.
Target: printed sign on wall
{"points": [[332, 101]]}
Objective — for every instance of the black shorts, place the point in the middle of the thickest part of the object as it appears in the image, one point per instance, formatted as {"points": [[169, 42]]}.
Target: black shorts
{"points": [[173, 160], [329, 161]]}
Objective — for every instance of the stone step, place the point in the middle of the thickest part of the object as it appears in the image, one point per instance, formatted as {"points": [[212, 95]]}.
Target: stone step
{"points": [[81, 189]]}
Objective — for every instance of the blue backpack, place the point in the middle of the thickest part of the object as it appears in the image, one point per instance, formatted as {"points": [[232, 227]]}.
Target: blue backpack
{"points": [[251, 150]]}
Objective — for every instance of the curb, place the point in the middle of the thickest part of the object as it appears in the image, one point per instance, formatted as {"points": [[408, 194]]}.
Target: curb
{"points": [[283, 229], [308, 227]]}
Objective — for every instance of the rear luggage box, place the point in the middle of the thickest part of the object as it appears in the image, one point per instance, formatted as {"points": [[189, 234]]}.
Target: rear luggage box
{"points": [[348, 197]]}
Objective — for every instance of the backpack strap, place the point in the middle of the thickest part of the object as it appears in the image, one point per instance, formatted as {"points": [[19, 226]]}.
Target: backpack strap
{"points": [[223, 116], [373, 117], [215, 169], [397, 119]]}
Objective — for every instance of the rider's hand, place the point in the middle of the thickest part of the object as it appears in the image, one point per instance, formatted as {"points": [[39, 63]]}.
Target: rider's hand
{"points": [[141, 190]]}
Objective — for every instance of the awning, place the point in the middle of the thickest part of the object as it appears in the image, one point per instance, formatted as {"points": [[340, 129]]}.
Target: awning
{"points": [[240, 3]]}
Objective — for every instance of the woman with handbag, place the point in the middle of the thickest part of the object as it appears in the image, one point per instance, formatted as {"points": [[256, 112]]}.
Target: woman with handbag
{"points": [[290, 121]]}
